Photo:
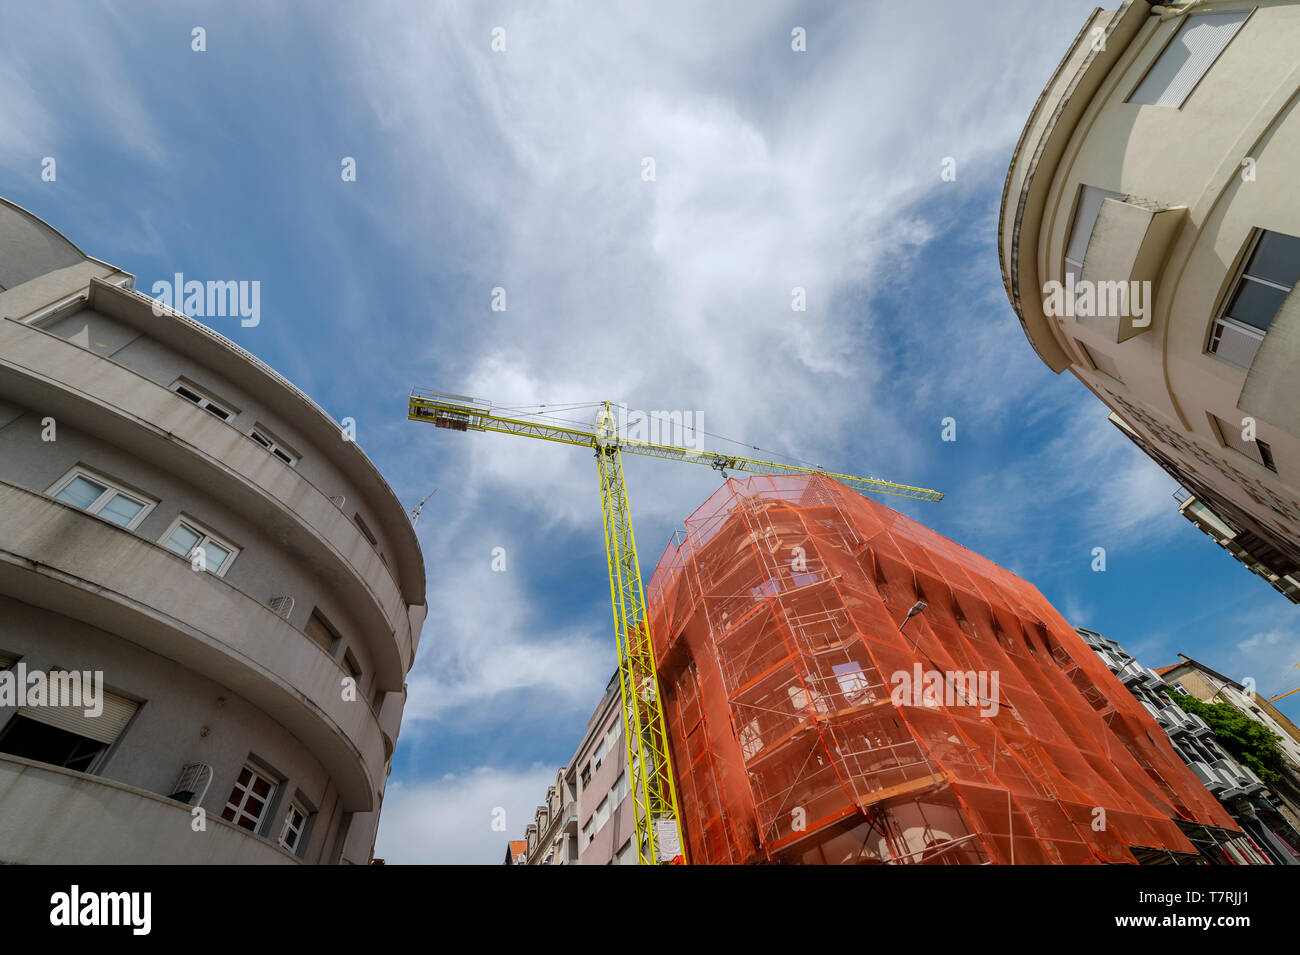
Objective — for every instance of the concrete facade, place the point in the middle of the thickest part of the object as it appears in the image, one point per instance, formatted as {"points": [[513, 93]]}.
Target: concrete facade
{"points": [[1208, 686], [1160, 156], [288, 655]]}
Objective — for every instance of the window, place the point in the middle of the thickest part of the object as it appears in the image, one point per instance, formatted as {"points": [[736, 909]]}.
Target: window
{"points": [[1256, 450], [192, 393], [277, 447], [852, 681], [320, 631], [1265, 281], [750, 740], [295, 821], [188, 538], [588, 832], [34, 739], [602, 813], [1101, 361], [250, 798], [63, 734], [586, 775], [365, 530], [350, 664], [620, 790], [1085, 217], [1187, 58], [97, 495], [599, 756]]}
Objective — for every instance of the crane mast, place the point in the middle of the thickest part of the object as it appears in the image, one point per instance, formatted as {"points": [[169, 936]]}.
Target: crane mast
{"points": [[652, 789]]}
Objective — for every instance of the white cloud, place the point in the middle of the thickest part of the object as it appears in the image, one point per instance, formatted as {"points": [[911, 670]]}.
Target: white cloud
{"points": [[449, 820], [487, 641]]}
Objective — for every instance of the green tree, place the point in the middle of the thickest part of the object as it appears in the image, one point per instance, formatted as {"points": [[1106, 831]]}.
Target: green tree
{"points": [[1248, 742]]}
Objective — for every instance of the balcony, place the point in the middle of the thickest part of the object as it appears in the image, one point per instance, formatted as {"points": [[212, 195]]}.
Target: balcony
{"points": [[99, 821], [1209, 778], [1128, 245], [143, 418], [61, 559]]}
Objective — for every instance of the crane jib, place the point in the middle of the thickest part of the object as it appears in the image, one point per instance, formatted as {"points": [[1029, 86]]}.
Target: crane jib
{"points": [[652, 787]]}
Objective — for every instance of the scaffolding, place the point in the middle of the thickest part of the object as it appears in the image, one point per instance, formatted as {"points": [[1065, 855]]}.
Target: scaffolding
{"points": [[811, 720]]}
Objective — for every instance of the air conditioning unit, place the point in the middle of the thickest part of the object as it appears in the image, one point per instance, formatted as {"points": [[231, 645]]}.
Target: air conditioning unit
{"points": [[281, 605], [192, 776]]}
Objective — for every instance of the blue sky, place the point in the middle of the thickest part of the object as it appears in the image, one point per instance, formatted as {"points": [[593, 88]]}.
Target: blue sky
{"points": [[523, 169]]}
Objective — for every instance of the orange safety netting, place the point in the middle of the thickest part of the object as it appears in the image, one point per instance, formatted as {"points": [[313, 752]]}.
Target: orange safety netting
{"points": [[776, 625]]}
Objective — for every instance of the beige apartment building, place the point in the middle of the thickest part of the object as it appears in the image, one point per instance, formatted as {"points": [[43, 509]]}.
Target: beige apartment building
{"points": [[179, 519], [1150, 244], [1209, 686], [587, 818]]}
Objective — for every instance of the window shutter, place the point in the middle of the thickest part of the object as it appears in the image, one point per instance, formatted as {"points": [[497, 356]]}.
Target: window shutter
{"points": [[104, 728], [1195, 46]]}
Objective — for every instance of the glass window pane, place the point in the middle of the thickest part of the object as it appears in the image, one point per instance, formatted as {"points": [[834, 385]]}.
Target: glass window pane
{"points": [[1255, 304], [214, 410], [80, 493], [1276, 258], [182, 540], [214, 555], [120, 510]]}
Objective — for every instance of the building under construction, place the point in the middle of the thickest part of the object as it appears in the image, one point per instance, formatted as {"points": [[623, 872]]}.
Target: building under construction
{"points": [[817, 714]]}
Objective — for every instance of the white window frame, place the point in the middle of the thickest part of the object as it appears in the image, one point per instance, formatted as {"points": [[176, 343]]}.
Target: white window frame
{"points": [[620, 790], [1081, 205], [257, 772], [1263, 452], [1222, 320], [267, 440], [111, 487], [204, 400], [205, 536], [295, 806]]}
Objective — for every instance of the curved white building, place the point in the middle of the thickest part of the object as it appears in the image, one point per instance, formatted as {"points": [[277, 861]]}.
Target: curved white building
{"points": [[180, 520], [1158, 166]]}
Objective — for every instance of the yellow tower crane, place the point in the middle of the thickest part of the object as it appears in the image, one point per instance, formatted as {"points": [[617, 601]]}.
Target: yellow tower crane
{"points": [[653, 791], [1287, 693]]}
